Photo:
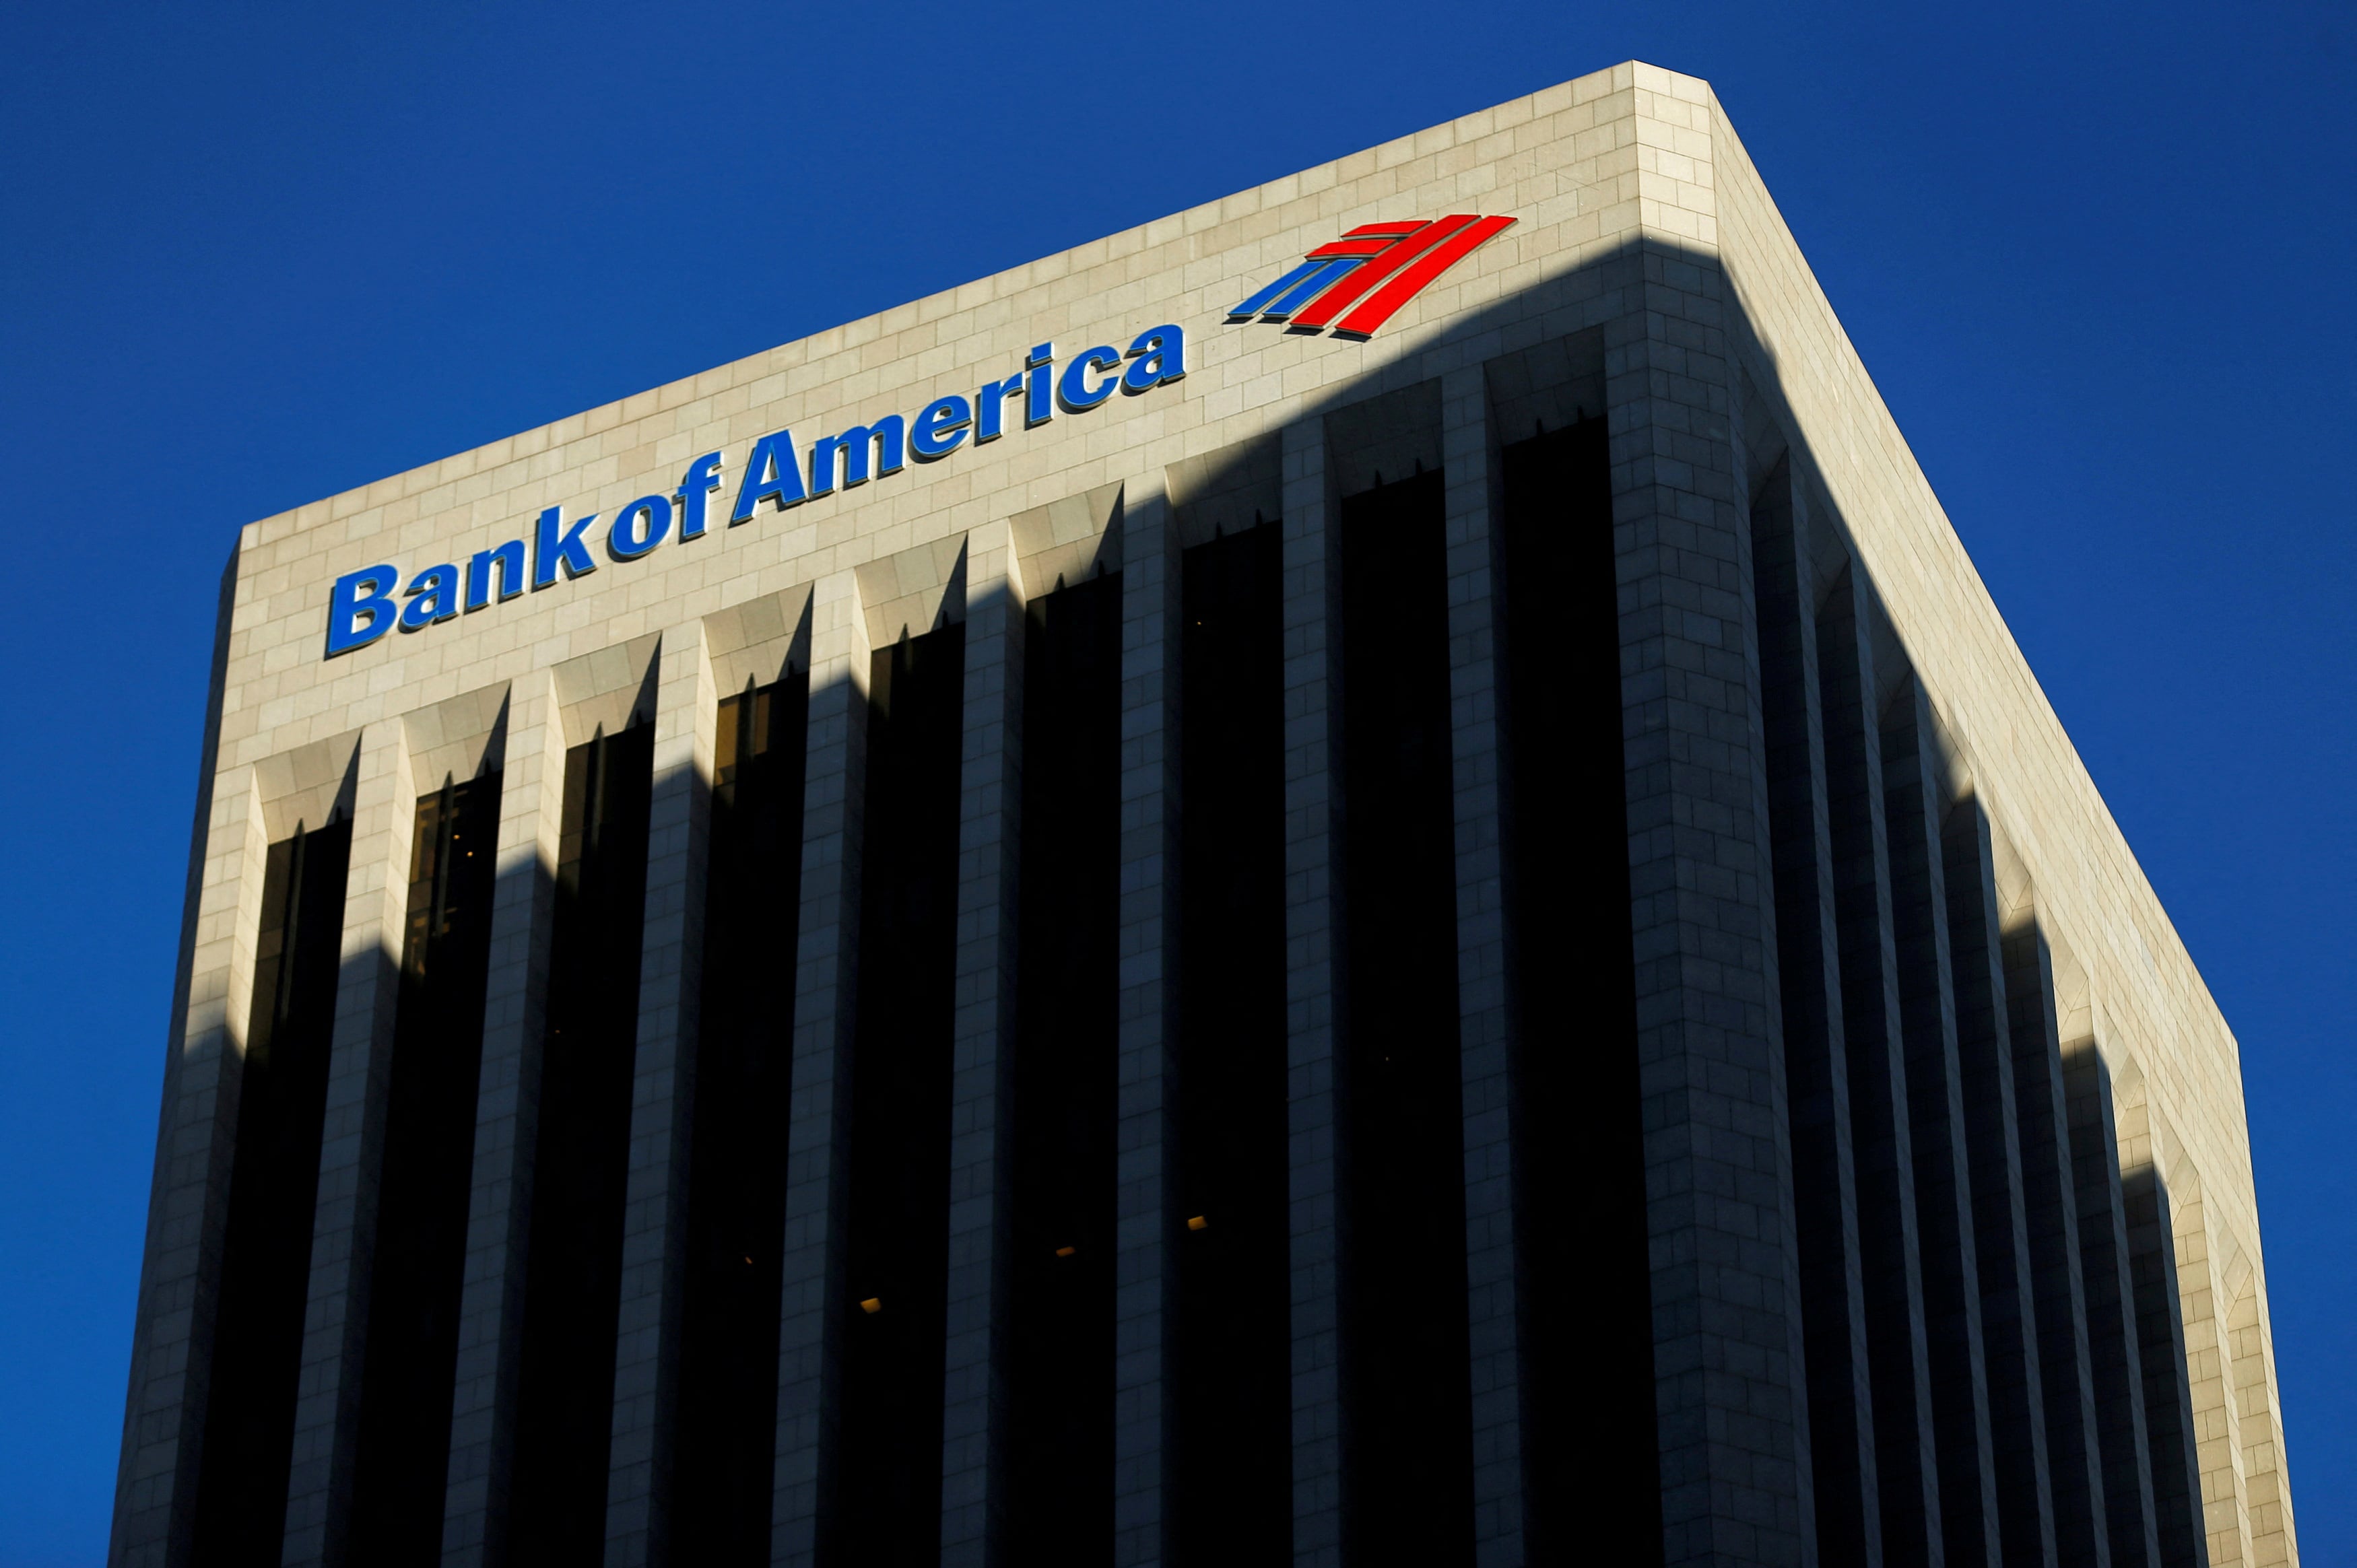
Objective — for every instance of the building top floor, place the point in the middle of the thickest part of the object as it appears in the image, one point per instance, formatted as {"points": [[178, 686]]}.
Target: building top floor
{"points": [[1646, 268]]}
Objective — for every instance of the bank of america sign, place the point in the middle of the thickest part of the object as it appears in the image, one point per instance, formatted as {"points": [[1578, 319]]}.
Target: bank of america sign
{"points": [[1358, 281]]}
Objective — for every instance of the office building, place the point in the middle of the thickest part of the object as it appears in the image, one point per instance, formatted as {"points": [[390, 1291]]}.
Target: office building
{"points": [[1358, 878]]}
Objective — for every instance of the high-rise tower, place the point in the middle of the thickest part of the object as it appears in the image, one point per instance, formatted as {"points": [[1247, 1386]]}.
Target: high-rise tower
{"points": [[1358, 878]]}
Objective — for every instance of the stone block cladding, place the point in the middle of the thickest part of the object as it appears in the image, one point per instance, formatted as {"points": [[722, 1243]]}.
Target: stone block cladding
{"points": [[1952, 1250]]}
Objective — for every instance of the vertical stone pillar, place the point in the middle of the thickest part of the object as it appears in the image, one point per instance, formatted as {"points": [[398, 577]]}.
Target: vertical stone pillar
{"points": [[990, 790], [2049, 1211], [196, 1140], [368, 988], [2023, 1472], [1482, 966], [1816, 1062], [2111, 1291], [1148, 990], [662, 1097], [2224, 1509], [1719, 1178], [498, 1206], [2258, 1423], [1950, 1256], [826, 991], [2156, 1305], [1312, 708], [1906, 1459]]}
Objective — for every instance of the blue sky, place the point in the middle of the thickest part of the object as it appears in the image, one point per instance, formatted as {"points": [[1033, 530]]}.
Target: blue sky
{"points": [[2098, 258]]}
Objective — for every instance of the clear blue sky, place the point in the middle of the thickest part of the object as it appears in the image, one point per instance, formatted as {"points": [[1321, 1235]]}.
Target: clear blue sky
{"points": [[2098, 259]]}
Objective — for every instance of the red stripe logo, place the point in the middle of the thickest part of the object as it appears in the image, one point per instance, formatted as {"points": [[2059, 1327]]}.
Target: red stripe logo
{"points": [[1357, 283]]}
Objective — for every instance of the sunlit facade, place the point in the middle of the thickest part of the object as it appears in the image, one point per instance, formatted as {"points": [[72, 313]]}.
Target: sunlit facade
{"points": [[1355, 879]]}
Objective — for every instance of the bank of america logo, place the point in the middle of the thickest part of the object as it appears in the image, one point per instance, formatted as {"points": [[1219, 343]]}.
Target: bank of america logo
{"points": [[1356, 283]]}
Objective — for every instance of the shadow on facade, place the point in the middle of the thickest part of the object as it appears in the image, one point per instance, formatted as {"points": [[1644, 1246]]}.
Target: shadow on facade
{"points": [[1995, 1354], [1443, 1249]]}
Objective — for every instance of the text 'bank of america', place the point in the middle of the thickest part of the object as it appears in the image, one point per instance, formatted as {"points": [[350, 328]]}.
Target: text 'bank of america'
{"points": [[1355, 879]]}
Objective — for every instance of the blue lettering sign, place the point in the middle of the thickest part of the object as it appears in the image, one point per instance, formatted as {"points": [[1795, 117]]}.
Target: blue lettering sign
{"points": [[1159, 355], [854, 445], [703, 480], [509, 559], [558, 546], [362, 606], [990, 407], [1074, 394], [771, 474], [433, 596], [638, 528], [940, 429], [366, 592]]}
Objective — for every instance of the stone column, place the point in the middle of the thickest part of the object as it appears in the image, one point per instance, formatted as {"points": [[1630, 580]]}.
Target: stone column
{"points": [[1950, 1256], [351, 1153], [2224, 1509], [1816, 1059], [2049, 1211], [2259, 1425], [654, 1220], [1312, 706], [154, 1506], [1718, 1178], [1484, 1020], [990, 790], [498, 1206], [1906, 1460], [2111, 1291], [1150, 982], [2008, 1309], [2157, 1304], [146, 1468], [826, 991]]}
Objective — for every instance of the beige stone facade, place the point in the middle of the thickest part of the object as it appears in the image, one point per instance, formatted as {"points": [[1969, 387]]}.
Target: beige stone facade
{"points": [[1648, 277]]}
